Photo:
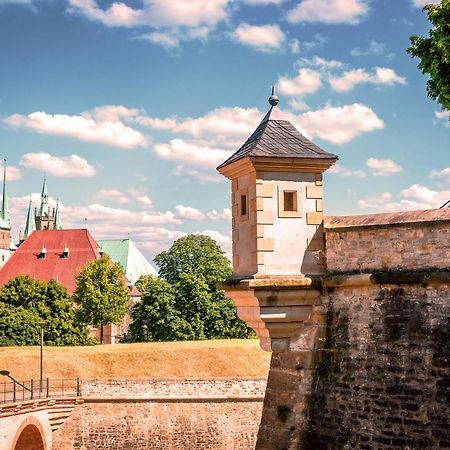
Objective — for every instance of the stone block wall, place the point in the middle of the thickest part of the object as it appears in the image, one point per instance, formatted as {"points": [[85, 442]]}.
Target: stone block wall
{"points": [[399, 246], [208, 414]]}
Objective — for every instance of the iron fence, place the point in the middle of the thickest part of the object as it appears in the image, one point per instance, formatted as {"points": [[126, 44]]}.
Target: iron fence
{"points": [[18, 391]]}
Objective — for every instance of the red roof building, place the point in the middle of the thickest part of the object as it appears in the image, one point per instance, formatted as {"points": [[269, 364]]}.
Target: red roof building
{"points": [[52, 255]]}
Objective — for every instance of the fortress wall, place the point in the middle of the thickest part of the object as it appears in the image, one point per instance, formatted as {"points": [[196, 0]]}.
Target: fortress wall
{"points": [[372, 369], [219, 414], [409, 246]]}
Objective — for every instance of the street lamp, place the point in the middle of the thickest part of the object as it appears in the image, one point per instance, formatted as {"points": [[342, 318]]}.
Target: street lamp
{"points": [[41, 371]]}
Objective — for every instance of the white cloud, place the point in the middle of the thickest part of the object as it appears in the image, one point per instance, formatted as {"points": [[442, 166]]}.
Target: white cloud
{"points": [[156, 124], [375, 201], [155, 13], [191, 152], [306, 82], [294, 45], [339, 124], [263, 2], [328, 11], [140, 197], [188, 212], [202, 175], [264, 38], [374, 48], [415, 197], [444, 173], [72, 166], [383, 167], [13, 173], [225, 214], [165, 39], [422, 3], [317, 42], [90, 126], [338, 169], [111, 195], [443, 116], [381, 76]]}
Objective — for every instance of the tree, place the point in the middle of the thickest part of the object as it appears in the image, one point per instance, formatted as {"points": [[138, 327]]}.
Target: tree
{"points": [[25, 301], [434, 53], [101, 293], [193, 266], [155, 317]]}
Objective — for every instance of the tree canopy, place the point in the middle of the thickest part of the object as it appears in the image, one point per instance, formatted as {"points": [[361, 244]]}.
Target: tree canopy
{"points": [[25, 301], [434, 52], [187, 292], [101, 293]]}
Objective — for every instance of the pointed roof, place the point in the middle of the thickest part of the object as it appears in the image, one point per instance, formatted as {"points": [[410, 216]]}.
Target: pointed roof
{"points": [[275, 137], [58, 224], [5, 210], [30, 224], [125, 253], [44, 211]]}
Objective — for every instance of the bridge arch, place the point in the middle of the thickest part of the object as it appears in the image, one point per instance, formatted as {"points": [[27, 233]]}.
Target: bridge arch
{"points": [[30, 436]]}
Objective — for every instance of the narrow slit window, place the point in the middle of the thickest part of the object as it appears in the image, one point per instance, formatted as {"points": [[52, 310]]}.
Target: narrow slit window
{"points": [[290, 201], [243, 205]]}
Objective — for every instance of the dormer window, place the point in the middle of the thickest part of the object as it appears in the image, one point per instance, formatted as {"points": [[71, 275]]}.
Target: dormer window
{"points": [[43, 253], [65, 253]]}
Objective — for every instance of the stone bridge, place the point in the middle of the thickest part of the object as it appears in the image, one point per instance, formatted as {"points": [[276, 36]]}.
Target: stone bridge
{"points": [[29, 424]]}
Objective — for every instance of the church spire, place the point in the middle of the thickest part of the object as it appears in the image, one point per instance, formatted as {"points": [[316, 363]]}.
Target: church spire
{"points": [[44, 211], [58, 225], [5, 210], [30, 225]]}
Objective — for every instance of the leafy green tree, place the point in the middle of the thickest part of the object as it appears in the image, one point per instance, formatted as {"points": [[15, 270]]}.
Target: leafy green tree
{"points": [[155, 317], [26, 301], [193, 266], [434, 52], [101, 293]]}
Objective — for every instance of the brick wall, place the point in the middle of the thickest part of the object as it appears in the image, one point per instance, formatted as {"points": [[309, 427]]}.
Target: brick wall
{"points": [[165, 414], [402, 246]]}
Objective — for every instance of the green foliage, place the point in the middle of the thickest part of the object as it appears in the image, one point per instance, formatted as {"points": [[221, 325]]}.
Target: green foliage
{"points": [[24, 302], [434, 52], [101, 293], [190, 270], [155, 317]]}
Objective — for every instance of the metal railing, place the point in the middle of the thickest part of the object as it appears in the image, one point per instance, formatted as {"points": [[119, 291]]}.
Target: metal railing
{"points": [[19, 391]]}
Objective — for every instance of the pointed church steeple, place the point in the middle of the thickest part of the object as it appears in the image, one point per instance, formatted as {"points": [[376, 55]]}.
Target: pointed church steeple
{"points": [[44, 210], [58, 225], [5, 209], [30, 225]]}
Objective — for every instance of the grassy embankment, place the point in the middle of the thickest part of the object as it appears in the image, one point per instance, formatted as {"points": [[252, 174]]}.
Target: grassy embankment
{"points": [[218, 358]]}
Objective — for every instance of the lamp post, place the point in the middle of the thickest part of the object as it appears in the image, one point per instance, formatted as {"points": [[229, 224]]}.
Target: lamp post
{"points": [[41, 368]]}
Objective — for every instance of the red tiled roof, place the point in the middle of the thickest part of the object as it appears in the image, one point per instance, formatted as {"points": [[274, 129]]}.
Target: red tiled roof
{"points": [[82, 249]]}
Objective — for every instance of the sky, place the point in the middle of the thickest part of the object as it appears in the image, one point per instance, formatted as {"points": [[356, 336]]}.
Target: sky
{"points": [[127, 108]]}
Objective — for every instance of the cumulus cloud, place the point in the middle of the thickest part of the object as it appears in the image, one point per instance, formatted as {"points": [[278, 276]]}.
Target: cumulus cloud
{"points": [[422, 3], [298, 105], [307, 81], [338, 169], [155, 13], [225, 214], [202, 175], [264, 38], [165, 39], [381, 76], [443, 116], [415, 197], [191, 152], [317, 41], [72, 166], [383, 167], [339, 124], [111, 195], [188, 212], [444, 173], [328, 11], [101, 126], [263, 2]]}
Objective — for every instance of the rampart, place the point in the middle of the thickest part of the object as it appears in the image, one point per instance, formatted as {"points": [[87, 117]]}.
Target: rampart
{"points": [[371, 369], [165, 414]]}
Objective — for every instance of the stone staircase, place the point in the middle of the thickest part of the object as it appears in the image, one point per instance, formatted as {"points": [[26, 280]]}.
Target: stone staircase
{"points": [[59, 412]]}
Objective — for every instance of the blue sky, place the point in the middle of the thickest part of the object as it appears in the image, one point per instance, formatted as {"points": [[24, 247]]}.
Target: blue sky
{"points": [[129, 107]]}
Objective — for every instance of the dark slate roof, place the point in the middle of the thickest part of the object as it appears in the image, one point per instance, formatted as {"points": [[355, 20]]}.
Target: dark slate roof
{"points": [[278, 138]]}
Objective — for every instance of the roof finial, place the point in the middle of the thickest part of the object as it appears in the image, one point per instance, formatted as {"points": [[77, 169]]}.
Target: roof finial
{"points": [[273, 99]]}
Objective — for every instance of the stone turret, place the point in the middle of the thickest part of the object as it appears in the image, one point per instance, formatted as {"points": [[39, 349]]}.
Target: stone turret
{"points": [[278, 243]]}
